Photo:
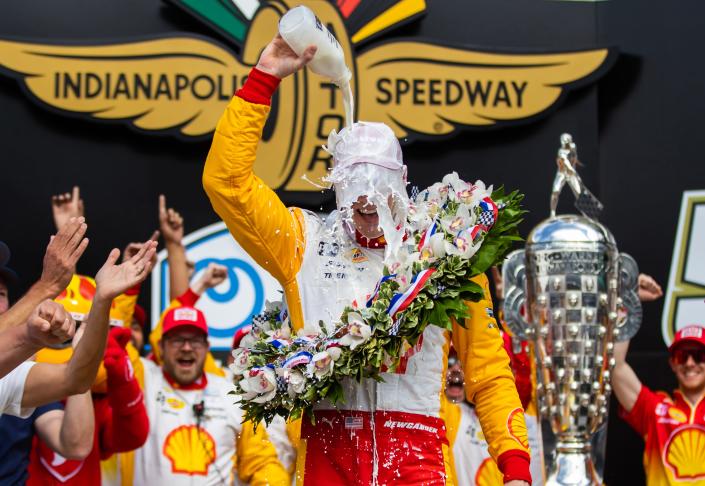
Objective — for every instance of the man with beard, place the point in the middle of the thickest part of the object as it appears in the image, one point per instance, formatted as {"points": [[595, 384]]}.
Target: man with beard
{"points": [[390, 432], [196, 434]]}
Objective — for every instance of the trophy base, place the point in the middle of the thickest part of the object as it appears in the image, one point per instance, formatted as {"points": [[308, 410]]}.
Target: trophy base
{"points": [[573, 467]]}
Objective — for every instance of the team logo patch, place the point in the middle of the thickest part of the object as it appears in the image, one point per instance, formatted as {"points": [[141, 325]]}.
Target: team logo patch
{"points": [[175, 403], [185, 314], [677, 415], [517, 427], [684, 453], [356, 256], [190, 449], [488, 474]]}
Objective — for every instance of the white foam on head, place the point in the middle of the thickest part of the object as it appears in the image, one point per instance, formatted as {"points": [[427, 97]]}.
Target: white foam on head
{"points": [[368, 162]]}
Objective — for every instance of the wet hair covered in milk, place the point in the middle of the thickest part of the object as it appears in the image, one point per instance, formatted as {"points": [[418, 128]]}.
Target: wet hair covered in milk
{"points": [[367, 161]]}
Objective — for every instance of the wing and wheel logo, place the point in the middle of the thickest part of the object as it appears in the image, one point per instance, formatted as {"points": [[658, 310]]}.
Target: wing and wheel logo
{"points": [[180, 84]]}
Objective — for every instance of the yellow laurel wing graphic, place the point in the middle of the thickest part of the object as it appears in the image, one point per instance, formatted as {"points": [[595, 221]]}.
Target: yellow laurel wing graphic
{"points": [[190, 449], [430, 89], [181, 83], [685, 453], [488, 474]]}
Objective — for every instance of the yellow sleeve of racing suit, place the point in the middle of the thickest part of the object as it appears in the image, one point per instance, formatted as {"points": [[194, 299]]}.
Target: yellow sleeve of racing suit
{"points": [[257, 462], [489, 381], [269, 232], [209, 366]]}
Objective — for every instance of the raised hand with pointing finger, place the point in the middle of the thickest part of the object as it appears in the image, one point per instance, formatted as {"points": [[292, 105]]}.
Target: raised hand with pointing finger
{"points": [[67, 206]]}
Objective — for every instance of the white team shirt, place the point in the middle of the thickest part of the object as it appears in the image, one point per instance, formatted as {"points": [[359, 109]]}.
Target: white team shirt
{"points": [[176, 453], [12, 390], [473, 464]]}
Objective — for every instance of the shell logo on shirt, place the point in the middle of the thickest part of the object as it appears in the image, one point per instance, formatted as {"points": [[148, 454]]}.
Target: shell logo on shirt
{"points": [[190, 449], [684, 453], [488, 474], [516, 426], [175, 403]]}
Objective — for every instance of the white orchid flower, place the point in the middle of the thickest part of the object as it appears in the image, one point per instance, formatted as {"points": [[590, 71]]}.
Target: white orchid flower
{"points": [[321, 365], [334, 352], [438, 245], [480, 191], [357, 331], [463, 245], [284, 332], [462, 219], [259, 386], [455, 184], [241, 361], [249, 340], [296, 383]]}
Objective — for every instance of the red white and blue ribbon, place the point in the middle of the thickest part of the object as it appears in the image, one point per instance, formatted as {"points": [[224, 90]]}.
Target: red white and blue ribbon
{"points": [[426, 237], [489, 213], [401, 301], [372, 298], [279, 343], [300, 358]]}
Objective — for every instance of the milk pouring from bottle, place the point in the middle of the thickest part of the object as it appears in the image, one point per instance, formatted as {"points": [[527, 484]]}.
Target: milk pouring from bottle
{"points": [[300, 28]]}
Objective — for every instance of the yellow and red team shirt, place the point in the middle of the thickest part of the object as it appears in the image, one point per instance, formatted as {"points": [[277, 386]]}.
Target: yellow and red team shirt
{"points": [[674, 432], [472, 460], [185, 448]]}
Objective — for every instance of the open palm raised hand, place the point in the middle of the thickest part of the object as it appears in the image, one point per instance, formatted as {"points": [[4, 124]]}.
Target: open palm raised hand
{"points": [[112, 280]]}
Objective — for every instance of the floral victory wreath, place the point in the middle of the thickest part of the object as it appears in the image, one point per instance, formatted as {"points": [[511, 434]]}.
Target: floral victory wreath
{"points": [[458, 231]]}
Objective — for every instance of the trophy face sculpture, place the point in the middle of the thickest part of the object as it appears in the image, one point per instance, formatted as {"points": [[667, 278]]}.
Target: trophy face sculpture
{"points": [[572, 294]]}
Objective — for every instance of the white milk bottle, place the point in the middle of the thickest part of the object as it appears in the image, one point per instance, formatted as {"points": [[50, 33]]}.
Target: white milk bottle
{"points": [[300, 28]]}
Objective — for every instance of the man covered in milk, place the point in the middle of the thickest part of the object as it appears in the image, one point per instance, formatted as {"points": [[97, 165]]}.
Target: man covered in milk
{"points": [[384, 433]]}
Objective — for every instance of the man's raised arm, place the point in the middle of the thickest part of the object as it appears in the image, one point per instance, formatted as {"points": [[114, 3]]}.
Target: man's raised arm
{"points": [[63, 251], [256, 217], [48, 382]]}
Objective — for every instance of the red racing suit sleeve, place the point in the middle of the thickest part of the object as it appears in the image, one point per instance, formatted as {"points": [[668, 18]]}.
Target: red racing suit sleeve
{"points": [[126, 424], [489, 384], [644, 410]]}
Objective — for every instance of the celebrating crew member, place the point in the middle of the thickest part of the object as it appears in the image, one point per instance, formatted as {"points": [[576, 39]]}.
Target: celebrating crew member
{"points": [[67, 428], [384, 433], [673, 427], [473, 463], [196, 433]]}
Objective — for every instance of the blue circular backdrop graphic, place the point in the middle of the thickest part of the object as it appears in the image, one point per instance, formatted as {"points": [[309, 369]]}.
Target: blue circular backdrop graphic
{"points": [[234, 264]]}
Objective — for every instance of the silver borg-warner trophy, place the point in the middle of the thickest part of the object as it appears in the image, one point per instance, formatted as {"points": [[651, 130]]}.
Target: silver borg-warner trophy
{"points": [[572, 294]]}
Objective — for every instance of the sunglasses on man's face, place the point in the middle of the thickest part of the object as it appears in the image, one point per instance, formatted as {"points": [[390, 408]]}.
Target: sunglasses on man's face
{"points": [[680, 356]]}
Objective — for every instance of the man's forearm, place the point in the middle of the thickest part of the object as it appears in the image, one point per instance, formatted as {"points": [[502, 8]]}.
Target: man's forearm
{"points": [[178, 269], [625, 382], [87, 356], [22, 310], [78, 426], [15, 347]]}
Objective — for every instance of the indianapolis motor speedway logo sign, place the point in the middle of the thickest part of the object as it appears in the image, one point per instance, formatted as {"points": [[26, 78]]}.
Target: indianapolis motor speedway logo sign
{"points": [[180, 84]]}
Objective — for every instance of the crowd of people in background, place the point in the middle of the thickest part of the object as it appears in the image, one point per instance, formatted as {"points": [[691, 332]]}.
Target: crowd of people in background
{"points": [[90, 393]]}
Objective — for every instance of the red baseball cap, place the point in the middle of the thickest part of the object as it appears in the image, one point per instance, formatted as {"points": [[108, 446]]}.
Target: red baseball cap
{"points": [[179, 317], [689, 334]]}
